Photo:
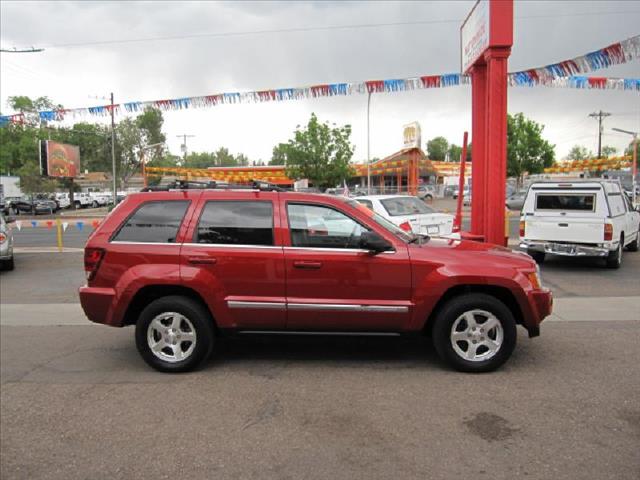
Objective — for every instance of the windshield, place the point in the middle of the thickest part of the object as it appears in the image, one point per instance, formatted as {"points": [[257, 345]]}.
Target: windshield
{"points": [[405, 206], [383, 222]]}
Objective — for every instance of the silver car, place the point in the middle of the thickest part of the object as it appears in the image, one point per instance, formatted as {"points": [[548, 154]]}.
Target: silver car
{"points": [[6, 245]]}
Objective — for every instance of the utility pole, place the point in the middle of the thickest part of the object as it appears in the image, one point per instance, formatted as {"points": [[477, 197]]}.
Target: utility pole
{"points": [[368, 147], [113, 152], [599, 115], [183, 147]]}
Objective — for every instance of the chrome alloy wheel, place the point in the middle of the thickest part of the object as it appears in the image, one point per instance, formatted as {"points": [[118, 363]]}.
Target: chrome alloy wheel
{"points": [[171, 337], [477, 335]]}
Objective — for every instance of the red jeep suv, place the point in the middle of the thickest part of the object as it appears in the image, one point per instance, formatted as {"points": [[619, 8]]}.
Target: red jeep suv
{"points": [[185, 266]]}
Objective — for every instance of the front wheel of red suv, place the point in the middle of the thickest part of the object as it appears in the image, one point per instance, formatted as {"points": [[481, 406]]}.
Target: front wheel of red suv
{"points": [[475, 333], [174, 334]]}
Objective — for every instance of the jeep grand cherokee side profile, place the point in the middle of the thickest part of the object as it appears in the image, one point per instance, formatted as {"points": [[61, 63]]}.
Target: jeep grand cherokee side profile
{"points": [[187, 266]]}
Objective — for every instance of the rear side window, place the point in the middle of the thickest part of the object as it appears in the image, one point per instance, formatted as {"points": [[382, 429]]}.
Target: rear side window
{"points": [[153, 222], [366, 203], [576, 202], [236, 223]]}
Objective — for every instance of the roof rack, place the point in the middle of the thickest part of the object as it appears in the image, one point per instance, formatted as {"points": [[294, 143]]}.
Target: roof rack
{"points": [[213, 185]]}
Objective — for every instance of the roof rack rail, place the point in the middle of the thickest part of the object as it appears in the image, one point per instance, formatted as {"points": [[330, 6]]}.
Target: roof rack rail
{"points": [[213, 185]]}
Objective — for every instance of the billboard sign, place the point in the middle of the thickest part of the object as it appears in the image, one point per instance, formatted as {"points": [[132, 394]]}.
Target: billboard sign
{"points": [[60, 159], [411, 135], [474, 34]]}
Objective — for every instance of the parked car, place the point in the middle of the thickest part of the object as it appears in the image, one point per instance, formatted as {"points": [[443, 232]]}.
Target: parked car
{"points": [[99, 199], [426, 193], [63, 200], [410, 214], [6, 243], [579, 219], [456, 191], [516, 200], [187, 266], [82, 200], [33, 206]]}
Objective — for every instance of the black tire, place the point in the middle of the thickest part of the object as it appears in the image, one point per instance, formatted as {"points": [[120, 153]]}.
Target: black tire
{"points": [[195, 313], [455, 308], [635, 246], [94, 204], [537, 256], [614, 260], [9, 264]]}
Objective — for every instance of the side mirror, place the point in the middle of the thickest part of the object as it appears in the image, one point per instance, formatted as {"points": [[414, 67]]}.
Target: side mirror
{"points": [[374, 243]]}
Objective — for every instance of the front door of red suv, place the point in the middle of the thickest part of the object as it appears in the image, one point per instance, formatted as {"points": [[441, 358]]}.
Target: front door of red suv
{"points": [[332, 284], [232, 255]]}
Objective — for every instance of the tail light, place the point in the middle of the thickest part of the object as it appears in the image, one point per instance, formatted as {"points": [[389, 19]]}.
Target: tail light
{"points": [[406, 226], [522, 225], [608, 232], [3, 237], [92, 259]]}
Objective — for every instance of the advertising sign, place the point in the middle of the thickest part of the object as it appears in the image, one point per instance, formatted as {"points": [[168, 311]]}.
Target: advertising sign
{"points": [[411, 135], [474, 34], [60, 159]]}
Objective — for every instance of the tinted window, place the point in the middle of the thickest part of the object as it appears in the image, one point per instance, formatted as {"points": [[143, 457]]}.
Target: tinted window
{"points": [[366, 203], [322, 227], [236, 223], [548, 201], [155, 222], [405, 206]]}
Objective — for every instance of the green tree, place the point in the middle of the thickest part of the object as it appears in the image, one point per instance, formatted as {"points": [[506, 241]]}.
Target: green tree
{"points": [[437, 148], [200, 160], [242, 160], [527, 151], [279, 155], [629, 150], [320, 153], [608, 151], [454, 152], [224, 159], [32, 182], [578, 152], [30, 108]]}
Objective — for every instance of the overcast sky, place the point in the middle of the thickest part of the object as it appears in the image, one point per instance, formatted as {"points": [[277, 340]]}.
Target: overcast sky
{"points": [[160, 69]]}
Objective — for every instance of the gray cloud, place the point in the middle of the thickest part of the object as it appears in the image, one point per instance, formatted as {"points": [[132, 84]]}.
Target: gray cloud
{"points": [[167, 69]]}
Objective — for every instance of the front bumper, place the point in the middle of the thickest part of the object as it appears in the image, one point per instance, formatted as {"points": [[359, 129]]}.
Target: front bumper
{"points": [[569, 249], [541, 303]]}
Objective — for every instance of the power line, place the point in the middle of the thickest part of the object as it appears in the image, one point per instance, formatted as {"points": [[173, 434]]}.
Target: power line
{"points": [[313, 29], [24, 50]]}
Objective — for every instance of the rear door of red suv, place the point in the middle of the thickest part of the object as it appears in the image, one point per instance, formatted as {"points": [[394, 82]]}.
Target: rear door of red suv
{"points": [[233, 255]]}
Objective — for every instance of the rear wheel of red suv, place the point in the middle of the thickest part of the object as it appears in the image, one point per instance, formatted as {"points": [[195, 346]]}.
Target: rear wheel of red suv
{"points": [[174, 334], [475, 333]]}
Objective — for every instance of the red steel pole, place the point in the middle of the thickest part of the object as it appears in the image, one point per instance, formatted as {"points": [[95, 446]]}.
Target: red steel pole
{"points": [[457, 223], [479, 154]]}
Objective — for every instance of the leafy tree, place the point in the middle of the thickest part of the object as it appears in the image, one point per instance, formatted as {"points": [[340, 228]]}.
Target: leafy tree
{"points": [[242, 160], [200, 160], [319, 153], [527, 151], [32, 182], [608, 151], [437, 148], [224, 159], [578, 152], [279, 154], [30, 108], [454, 153], [629, 150]]}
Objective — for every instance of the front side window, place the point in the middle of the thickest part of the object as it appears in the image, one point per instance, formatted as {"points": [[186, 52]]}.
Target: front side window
{"points": [[405, 206], [236, 223], [153, 222], [316, 226], [566, 201]]}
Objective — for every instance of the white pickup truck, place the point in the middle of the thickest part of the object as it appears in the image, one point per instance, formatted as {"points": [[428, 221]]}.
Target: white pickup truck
{"points": [[579, 218]]}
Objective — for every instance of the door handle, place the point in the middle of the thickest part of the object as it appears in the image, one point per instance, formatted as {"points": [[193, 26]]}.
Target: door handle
{"points": [[306, 265], [202, 260]]}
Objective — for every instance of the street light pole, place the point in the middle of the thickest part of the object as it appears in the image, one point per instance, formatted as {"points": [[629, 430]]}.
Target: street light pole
{"points": [[368, 147], [634, 168]]}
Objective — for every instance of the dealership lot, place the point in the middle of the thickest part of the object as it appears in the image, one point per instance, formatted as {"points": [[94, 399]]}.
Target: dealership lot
{"points": [[78, 402]]}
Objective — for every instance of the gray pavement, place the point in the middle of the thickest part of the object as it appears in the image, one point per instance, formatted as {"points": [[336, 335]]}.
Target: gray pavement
{"points": [[78, 402]]}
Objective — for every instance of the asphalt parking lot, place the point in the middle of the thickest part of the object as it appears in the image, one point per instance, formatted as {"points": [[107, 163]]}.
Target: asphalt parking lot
{"points": [[78, 402]]}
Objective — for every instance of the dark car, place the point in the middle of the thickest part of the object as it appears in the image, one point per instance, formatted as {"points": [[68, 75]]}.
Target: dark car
{"points": [[187, 266], [33, 206]]}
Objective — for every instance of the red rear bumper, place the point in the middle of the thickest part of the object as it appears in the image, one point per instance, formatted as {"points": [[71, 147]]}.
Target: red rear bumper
{"points": [[97, 304]]}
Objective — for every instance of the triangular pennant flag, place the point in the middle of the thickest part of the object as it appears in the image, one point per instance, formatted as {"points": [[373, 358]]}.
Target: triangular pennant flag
{"points": [[79, 225], [34, 223], [95, 224], [19, 225], [64, 226], [49, 224]]}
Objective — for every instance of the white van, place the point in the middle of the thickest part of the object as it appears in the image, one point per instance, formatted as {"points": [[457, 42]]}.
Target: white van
{"points": [[579, 218]]}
